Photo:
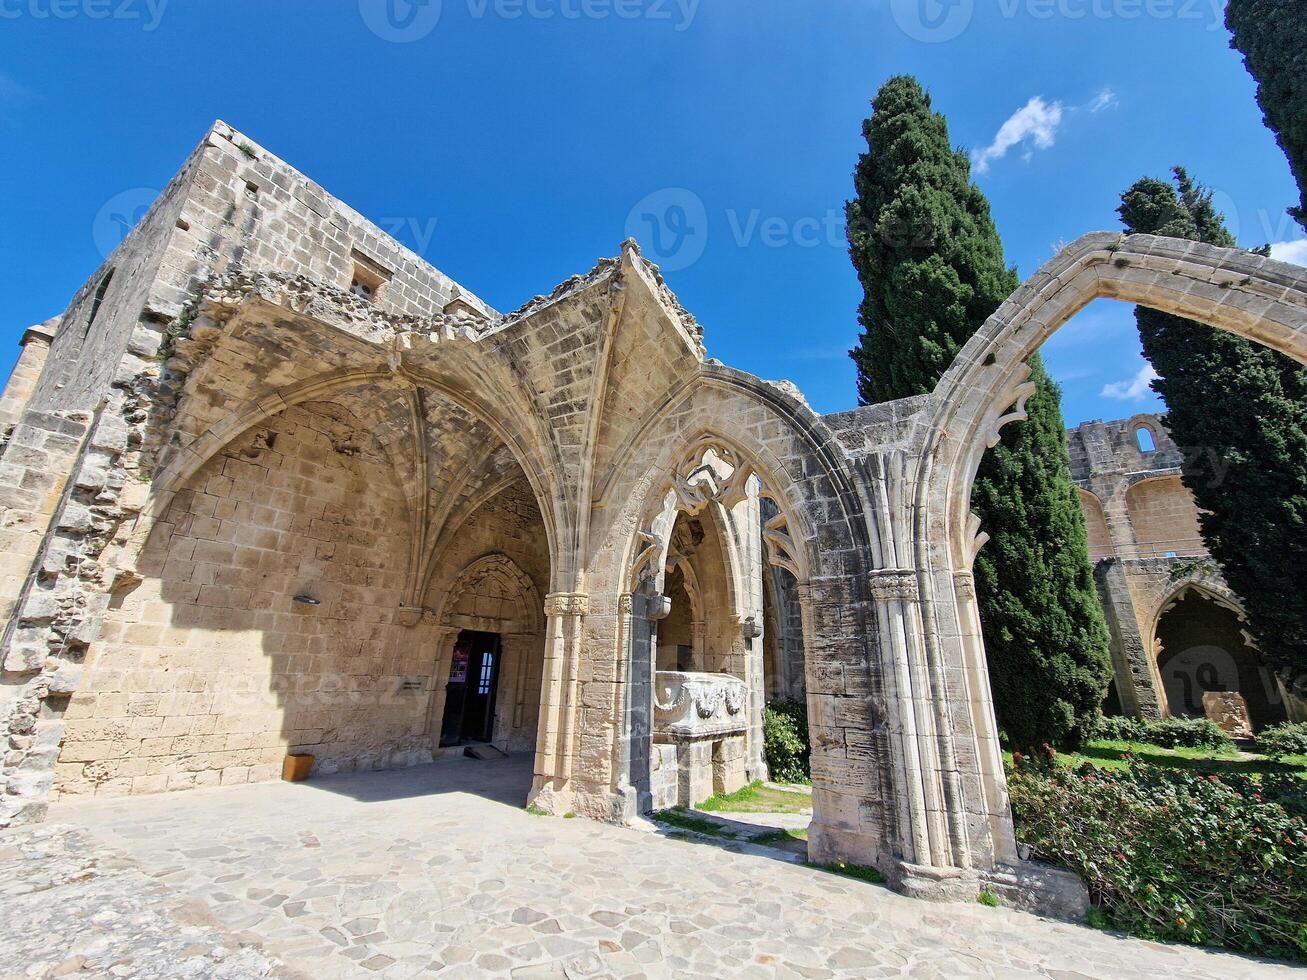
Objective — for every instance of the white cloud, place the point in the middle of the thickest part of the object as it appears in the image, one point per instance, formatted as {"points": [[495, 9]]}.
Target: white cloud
{"points": [[1034, 125], [1295, 252], [1134, 390], [1105, 99]]}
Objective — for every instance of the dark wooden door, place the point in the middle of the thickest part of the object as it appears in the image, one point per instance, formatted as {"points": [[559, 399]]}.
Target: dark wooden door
{"points": [[470, 694]]}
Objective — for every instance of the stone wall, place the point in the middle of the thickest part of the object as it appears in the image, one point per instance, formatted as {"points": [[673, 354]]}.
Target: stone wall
{"points": [[1145, 540], [233, 205], [209, 671], [1164, 518]]}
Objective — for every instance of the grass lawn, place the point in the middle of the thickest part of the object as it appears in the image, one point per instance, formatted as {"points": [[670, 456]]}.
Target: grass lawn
{"points": [[678, 817], [757, 798], [781, 836], [1114, 755]]}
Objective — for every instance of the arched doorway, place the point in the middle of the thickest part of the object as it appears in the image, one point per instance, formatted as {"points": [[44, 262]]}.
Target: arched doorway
{"points": [[491, 648], [1202, 646]]}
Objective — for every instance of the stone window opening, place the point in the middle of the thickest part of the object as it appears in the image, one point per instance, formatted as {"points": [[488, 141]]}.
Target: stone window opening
{"points": [[98, 301], [1144, 439], [368, 278]]}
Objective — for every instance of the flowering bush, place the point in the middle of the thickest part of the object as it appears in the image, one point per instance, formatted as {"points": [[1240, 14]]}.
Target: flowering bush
{"points": [[1176, 855], [785, 741], [1170, 733], [1281, 740]]}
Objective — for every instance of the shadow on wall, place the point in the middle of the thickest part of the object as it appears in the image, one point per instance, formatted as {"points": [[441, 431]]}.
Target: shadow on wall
{"points": [[210, 671]]}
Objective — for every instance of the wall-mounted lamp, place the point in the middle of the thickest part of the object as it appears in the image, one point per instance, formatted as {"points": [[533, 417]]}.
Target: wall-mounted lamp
{"points": [[308, 600]]}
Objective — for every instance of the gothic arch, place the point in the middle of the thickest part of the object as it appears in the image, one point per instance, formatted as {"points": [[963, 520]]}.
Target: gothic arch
{"points": [[494, 580], [1203, 584], [820, 533], [187, 460], [503, 571], [987, 387], [988, 383]]}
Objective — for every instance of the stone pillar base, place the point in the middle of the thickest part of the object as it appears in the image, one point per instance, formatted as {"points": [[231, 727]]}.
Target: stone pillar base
{"points": [[831, 843], [1031, 886], [591, 800]]}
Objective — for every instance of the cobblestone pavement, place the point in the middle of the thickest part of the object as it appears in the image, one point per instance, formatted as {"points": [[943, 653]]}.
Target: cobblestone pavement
{"points": [[70, 906], [434, 871]]}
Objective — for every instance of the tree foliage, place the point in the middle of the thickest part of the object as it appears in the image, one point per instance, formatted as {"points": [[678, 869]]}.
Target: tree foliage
{"points": [[1045, 634], [1272, 36], [924, 246], [1238, 411], [932, 270]]}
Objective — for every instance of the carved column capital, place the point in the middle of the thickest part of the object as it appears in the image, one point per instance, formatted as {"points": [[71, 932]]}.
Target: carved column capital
{"points": [[894, 584], [624, 604], [964, 583], [567, 604]]}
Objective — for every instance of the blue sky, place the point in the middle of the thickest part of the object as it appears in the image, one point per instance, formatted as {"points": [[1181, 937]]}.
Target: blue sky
{"points": [[513, 142]]}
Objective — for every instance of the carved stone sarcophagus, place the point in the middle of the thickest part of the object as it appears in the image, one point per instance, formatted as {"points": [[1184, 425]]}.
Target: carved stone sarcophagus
{"points": [[690, 705]]}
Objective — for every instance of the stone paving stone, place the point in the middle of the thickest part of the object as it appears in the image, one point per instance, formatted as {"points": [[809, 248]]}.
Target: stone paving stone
{"points": [[72, 906], [418, 875]]}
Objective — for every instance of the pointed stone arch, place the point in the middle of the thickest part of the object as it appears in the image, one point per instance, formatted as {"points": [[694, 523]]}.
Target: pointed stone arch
{"points": [[985, 389]]}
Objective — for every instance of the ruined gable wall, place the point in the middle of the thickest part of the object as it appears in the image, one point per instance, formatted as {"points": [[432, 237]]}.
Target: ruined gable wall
{"points": [[208, 672], [1165, 518], [234, 205]]}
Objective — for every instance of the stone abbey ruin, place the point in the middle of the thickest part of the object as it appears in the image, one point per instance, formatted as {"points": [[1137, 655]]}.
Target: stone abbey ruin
{"points": [[272, 484]]}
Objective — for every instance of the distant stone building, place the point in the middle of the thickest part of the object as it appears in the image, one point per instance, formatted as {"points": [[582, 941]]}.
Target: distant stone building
{"points": [[272, 484], [1177, 628]]}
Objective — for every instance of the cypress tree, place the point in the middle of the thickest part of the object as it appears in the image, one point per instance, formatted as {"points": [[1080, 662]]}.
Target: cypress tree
{"points": [[932, 270], [1272, 36], [1238, 410]]}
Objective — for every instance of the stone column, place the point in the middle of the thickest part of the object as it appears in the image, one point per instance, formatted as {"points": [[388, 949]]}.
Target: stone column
{"points": [[1132, 660], [557, 735], [633, 760], [846, 727], [698, 640], [1000, 841], [924, 835], [756, 759]]}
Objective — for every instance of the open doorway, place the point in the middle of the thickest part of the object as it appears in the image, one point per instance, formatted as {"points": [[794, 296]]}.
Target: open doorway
{"points": [[470, 693]]}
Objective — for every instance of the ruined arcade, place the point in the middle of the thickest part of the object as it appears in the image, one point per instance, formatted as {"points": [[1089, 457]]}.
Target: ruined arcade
{"points": [[272, 484]]}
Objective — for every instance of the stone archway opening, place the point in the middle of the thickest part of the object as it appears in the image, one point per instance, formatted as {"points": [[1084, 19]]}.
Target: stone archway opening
{"points": [[1209, 665], [987, 388], [291, 600], [704, 666], [703, 586]]}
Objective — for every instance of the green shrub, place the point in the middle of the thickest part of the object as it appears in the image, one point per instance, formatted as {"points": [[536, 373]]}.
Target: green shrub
{"points": [[1175, 855], [1170, 733], [785, 741], [1281, 740]]}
